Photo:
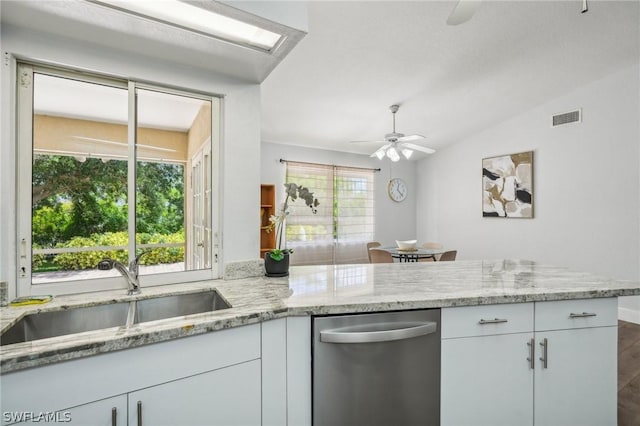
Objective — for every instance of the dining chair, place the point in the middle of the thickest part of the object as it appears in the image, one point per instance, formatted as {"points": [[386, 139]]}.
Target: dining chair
{"points": [[380, 256], [430, 245], [448, 255], [370, 246]]}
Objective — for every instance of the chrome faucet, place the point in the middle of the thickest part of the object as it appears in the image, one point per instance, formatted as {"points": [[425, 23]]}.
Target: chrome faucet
{"points": [[131, 274]]}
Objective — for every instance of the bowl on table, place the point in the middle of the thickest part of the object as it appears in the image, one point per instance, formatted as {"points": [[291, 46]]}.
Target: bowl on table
{"points": [[406, 245]]}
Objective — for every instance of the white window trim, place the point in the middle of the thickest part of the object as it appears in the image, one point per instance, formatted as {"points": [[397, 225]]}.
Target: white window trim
{"points": [[24, 148]]}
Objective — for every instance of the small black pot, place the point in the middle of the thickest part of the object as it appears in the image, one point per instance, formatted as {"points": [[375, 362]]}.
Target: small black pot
{"points": [[276, 268]]}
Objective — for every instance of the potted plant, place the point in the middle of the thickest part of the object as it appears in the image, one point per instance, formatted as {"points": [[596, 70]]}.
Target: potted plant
{"points": [[276, 261]]}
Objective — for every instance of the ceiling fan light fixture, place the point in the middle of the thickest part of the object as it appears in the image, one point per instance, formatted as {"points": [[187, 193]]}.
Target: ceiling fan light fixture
{"points": [[407, 153], [396, 143], [393, 155]]}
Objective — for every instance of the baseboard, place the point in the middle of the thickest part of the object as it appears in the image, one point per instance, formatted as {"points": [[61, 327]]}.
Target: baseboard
{"points": [[629, 315]]}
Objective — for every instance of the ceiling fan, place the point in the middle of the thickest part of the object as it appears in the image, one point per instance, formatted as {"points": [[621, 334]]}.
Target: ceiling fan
{"points": [[397, 143], [464, 10]]}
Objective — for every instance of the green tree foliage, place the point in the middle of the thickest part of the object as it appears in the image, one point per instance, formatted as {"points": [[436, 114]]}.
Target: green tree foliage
{"points": [[50, 223], [74, 199], [160, 198], [95, 190]]}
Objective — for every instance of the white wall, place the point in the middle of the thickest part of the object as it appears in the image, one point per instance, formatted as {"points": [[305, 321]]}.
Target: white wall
{"points": [[241, 126], [393, 220], [586, 187]]}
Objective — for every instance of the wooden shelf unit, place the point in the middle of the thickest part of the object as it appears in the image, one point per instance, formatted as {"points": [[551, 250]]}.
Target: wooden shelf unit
{"points": [[267, 208]]}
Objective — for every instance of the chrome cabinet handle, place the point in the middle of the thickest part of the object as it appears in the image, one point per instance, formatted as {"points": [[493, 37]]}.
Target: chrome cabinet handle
{"points": [[493, 321], [532, 353], [545, 348], [582, 315], [378, 332], [139, 413], [114, 416]]}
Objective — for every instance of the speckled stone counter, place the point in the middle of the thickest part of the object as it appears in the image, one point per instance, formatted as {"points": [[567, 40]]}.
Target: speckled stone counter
{"points": [[311, 290]]}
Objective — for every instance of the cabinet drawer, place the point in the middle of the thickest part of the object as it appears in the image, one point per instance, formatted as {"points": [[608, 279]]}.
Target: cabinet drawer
{"points": [[467, 321], [579, 313]]}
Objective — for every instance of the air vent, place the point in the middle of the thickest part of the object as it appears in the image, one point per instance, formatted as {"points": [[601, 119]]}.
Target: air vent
{"points": [[567, 117]]}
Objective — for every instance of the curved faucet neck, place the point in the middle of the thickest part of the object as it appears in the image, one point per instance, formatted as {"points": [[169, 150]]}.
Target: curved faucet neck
{"points": [[130, 276]]}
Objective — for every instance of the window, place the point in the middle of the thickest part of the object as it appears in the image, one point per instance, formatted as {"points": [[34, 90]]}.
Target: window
{"points": [[344, 222], [114, 169]]}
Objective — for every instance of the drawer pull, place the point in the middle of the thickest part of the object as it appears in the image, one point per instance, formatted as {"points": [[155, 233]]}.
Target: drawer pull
{"points": [[545, 347], [493, 321], [532, 351], [582, 315]]}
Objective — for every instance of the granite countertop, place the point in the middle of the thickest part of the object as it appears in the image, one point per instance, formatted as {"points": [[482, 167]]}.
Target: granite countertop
{"points": [[312, 290]]}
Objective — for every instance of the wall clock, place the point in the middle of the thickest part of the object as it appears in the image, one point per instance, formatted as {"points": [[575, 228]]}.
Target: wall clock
{"points": [[397, 189]]}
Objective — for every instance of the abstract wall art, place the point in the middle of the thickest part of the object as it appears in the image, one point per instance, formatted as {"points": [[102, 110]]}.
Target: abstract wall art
{"points": [[507, 186]]}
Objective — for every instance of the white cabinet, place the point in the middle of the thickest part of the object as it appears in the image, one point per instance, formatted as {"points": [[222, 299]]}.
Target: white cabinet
{"points": [[490, 378], [210, 378], [486, 378], [226, 397], [486, 381], [258, 374], [576, 366], [106, 412], [299, 371]]}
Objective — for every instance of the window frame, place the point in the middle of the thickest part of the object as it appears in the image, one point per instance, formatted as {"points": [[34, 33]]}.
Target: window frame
{"points": [[335, 173], [24, 154]]}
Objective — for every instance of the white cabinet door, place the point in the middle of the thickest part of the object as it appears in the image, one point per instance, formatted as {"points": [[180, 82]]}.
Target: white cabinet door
{"points": [[274, 372], [100, 413], [106, 412], [226, 397], [579, 384], [487, 380]]}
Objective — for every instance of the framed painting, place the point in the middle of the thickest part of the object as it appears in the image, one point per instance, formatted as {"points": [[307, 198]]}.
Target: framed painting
{"points": [[507, 185]]}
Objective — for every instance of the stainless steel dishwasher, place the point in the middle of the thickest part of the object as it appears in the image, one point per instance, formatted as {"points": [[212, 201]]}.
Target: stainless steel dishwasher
{"points": [[377, 369]]}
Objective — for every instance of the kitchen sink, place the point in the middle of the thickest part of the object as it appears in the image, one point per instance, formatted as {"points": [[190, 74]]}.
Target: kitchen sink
{"points": [[58, 323], [43, 325], [178, 305]]}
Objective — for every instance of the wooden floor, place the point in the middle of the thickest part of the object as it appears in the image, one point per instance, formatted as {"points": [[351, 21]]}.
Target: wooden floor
{"points": [[628, 374]]}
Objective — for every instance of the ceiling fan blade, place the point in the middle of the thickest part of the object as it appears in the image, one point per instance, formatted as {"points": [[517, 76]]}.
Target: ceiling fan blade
{"points": [[463, 11], [410, 138], [415, 147], [382, 148], [367, 141]]}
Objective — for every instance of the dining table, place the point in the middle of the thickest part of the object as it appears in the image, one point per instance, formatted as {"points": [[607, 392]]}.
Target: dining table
{"points": [[412, 255]]}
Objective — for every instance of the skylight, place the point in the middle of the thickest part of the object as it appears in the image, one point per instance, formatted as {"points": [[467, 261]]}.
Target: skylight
{"points": [[200, 20]]}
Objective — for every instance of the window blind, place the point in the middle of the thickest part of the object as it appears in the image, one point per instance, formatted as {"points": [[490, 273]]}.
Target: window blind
{"points": [[344, 222], [354, 215]]}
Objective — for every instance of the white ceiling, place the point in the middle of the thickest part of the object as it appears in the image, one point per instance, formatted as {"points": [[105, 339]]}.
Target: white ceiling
{"points": [[360, 57], [451, 81]]}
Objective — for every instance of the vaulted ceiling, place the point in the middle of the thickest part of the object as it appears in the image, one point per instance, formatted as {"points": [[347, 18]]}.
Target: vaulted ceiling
{"points": [[360, 57]]}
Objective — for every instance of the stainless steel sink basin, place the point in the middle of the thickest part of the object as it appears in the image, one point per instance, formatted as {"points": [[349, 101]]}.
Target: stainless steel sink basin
{"points": [[43, 325], [178, 305], [58, 323]]}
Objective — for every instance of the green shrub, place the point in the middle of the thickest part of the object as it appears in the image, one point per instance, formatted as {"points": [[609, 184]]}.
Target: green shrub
{"points": [[37, 260], [90, 259]]}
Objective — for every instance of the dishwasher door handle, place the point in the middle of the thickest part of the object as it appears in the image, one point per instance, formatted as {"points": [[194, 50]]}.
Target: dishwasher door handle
{"points": [[380, 332]]}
